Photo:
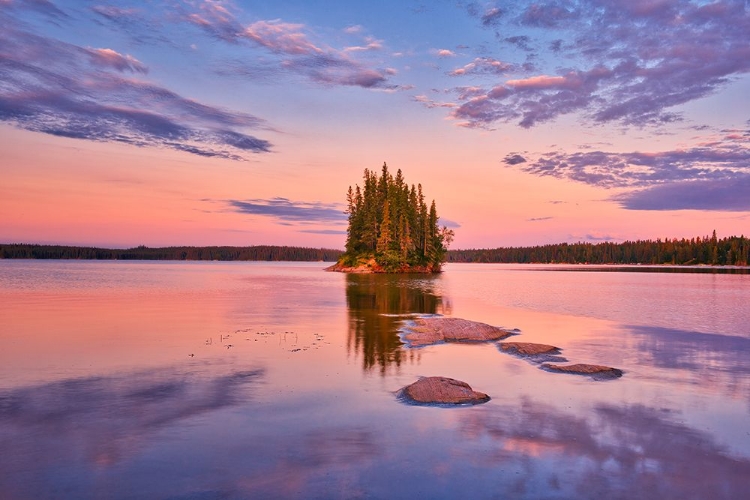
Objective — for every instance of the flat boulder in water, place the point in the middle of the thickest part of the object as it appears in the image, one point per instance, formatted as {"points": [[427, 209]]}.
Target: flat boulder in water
{"points": [[595, 371], [536, 353], [432, 330], [529, 348], [442, 390]]}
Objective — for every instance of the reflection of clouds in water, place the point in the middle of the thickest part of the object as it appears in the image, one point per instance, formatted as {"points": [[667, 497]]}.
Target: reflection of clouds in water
{"points": [[615, 451], [325, 463], [101, 421], [679, 349], [715, 361], [128, 432]]}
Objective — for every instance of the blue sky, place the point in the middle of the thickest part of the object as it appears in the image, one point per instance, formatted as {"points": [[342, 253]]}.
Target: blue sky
{"points": [[529, 122]]}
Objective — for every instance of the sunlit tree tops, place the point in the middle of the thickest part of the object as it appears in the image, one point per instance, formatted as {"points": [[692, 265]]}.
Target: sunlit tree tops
{"points": [[390, 222]]}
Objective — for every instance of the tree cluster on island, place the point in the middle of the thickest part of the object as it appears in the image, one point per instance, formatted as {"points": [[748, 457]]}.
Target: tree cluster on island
{"points": [[391, 228]]}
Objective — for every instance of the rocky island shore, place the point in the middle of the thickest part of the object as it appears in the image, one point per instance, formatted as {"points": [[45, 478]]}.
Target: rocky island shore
{"points": [[372, 267]]}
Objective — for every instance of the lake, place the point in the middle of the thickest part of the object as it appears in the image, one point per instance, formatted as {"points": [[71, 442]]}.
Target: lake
{"points": [[231, 380]]}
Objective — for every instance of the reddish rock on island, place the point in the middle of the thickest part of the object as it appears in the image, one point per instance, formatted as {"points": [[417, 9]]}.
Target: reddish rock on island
{"points": [[442, 390], [432, 330]]}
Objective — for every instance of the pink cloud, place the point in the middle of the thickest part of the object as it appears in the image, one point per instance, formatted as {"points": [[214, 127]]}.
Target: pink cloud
{"points": [[372, 44], [482, 65], [112, 59], [280, 37], [632, 62], [539, 82], [293, 44]]}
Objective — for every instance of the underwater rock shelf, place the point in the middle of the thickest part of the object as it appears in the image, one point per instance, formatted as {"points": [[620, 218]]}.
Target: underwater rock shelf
{"points": [[595, 371]]}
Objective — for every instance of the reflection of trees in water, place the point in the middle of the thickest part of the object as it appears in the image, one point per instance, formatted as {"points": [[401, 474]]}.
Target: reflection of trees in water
{"points": [[376, 305]]}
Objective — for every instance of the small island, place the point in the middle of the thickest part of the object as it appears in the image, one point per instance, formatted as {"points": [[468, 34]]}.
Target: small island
{"points": [[391, 229]]}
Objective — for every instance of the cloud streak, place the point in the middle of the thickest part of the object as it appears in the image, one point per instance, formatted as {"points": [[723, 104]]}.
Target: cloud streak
{"points": [[713, 174], [731, 195], [108, 58], [483, 66], [631, 62], [293, 45], [290, 211], [61, 89]]}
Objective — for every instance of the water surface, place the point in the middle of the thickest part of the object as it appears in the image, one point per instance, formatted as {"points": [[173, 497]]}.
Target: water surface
{"points": [[255, 380]]}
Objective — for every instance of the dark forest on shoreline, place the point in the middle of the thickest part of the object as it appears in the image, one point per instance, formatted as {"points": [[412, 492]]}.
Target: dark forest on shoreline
{"points": [[223, 253], [709, 250]]}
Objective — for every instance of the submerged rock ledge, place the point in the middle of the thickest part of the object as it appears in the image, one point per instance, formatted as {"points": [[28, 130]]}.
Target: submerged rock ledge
{"points": [[442, 390], [599, 372], [433, 330], [536, 353]]}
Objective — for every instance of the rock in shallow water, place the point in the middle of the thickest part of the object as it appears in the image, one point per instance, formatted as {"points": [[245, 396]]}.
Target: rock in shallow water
{"points": [[595, 371], [528, 348], [433, 330], [442, 390], [535, 353]]}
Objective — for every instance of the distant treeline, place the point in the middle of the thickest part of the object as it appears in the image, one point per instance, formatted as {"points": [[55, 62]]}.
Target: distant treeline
{"points": [[709, 250], [267, 253], [732, 251]]}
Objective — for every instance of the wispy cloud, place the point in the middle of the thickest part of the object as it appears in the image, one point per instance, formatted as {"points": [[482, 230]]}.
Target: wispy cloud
{"points": [[720, 160], [449, 223], [62, 89], [731, 195], [514, 159], [289, 211], [322, 231], [369, 45], [630, 62], [293, 44], [483, 66], [41, 6], [596, 236], [430, 103], [538, 219], [712, 174], [108, 58]]}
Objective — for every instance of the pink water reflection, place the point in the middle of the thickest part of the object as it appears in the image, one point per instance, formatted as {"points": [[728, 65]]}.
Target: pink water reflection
{"points": [[290, 392]]}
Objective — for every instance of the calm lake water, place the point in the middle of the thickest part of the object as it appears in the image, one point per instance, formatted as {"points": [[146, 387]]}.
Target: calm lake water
{"points": [[235, 380]]}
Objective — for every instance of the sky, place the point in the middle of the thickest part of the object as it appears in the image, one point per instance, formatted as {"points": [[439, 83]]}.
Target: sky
{"points": [[209, 122]]}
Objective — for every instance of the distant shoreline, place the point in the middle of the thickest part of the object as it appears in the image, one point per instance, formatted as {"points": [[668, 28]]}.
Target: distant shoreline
{"points": [[182, 253], [696, 253]]}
